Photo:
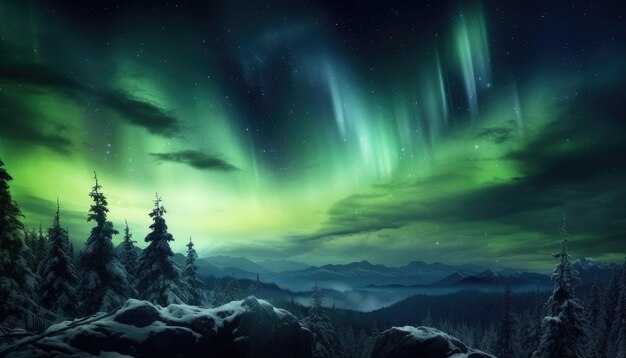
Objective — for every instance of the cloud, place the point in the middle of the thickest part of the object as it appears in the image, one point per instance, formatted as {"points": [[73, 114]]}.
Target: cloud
{"points": [[133, 110], [196, 159], [497, 135], [140, 113], [20, 123]]}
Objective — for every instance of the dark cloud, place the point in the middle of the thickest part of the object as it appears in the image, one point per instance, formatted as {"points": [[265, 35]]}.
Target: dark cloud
{"points": [[140, 113], [133, 110], [497, 135], [196, 159], [20, 123]]}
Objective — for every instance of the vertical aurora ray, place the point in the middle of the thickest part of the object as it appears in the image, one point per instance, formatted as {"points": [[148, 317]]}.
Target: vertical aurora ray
{"points": [[517, 113], [472, 51]]}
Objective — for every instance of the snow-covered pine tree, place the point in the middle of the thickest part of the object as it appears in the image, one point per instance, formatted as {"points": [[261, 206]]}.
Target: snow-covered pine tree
{"points": [[232, 292], [325, 341], [17, 281], [428, 320], [524, 333], [158, 277], [217, 294], [255, 288], [607, 340], [365, 345], [29, 249], [595, 315], [349, 348], [505, 345], [488, 341], [195, 286], [128, 254], [57, 288], [564, 333], [619, 322], [103, 283], [42, 241]]}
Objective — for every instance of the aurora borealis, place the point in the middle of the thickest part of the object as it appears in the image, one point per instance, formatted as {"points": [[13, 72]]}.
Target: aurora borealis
{"points": [[324, 132]]}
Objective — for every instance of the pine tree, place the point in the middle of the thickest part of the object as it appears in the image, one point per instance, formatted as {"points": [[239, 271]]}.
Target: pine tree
{"points": [[17, 281], [325, 342], [42, 241], [217, 294], [158, 277], [488, 340], [607, 340], [29, 249], [195, 286], [103, 284], [529, 333], [505, 346], [364, 344], [255, 288], [564, 334], [428, 320], [348, 344], [57, 289], [232, 292], [619, 323], [596, 320], [128, 254]]}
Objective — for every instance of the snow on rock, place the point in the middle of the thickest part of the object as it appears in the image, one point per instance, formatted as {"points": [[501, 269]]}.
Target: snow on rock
{"points": [[247, 328], [421, 342]]}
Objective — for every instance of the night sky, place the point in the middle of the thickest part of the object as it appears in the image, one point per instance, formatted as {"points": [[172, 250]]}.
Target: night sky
{"points": [[326, 131]]}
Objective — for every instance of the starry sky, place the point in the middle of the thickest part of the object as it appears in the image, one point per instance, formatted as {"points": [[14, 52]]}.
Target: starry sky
{"points": [[325, 131]]}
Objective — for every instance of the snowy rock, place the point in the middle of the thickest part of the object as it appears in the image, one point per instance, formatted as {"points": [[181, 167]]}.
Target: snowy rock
{"points": [[421, 342], [247, 328]]}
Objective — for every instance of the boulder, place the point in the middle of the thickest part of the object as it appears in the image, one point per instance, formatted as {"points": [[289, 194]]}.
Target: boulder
{"points": [[239, 329], [421, 342]]}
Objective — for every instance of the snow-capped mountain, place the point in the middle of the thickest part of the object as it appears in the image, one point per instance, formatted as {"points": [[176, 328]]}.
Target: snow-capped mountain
{"points": [[591, 270], [493, 278]]}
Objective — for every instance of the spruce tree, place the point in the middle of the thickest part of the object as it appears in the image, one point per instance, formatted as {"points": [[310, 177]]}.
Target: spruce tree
{"points": [[428, 320], [42, 241], [607, 339], [103, 284], [158, 277], [325, 340], [527, 340], [232, 292], [30, 250], [57, 289], [17, 281], [619, 322], [255, 288], [505, 346], [195, 286], [218, 297], [596, 320], [128, 254], [564, 333]]}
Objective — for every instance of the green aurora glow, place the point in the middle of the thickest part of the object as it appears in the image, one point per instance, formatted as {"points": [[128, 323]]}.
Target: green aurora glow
{"points": [[308, 152]]}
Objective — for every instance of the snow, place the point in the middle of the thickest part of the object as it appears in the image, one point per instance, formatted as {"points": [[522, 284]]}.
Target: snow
{"points": [[409, 341], [140, 328]]}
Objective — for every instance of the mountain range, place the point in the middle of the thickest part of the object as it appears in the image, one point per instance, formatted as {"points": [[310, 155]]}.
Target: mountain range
{"points": [[297, 276]]}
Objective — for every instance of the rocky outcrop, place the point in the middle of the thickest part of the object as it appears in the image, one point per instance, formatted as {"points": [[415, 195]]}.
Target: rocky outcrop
{"points": [[247, 328], [421, 342]]}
